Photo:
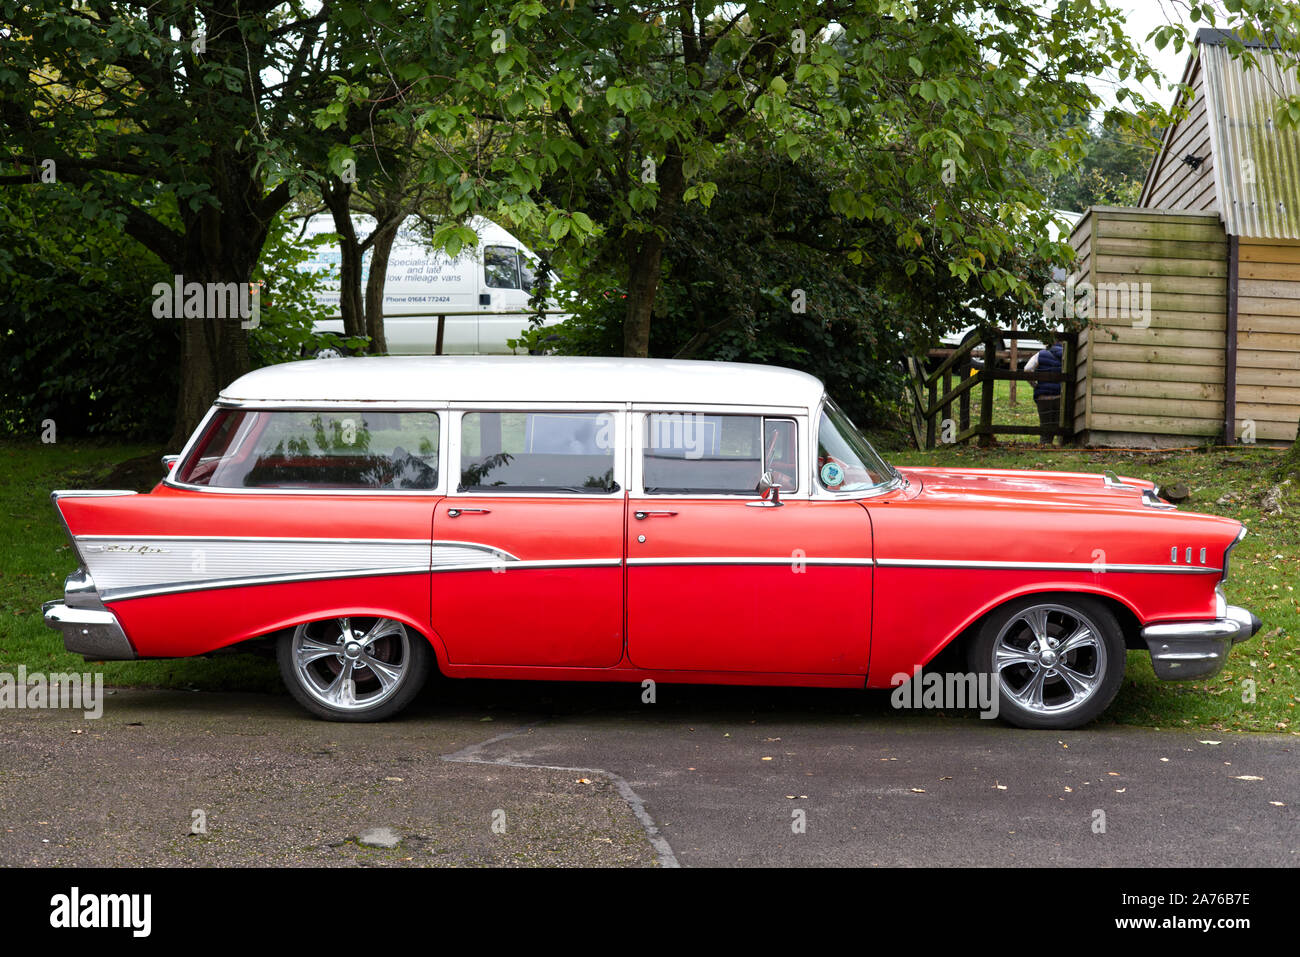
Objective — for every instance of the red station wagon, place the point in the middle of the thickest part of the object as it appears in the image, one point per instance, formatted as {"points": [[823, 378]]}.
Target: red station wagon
{"points": [[624, 520]]}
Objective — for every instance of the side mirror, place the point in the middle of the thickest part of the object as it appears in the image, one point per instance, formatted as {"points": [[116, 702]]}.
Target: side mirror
{"points": [[769, 492], [169, 462]]}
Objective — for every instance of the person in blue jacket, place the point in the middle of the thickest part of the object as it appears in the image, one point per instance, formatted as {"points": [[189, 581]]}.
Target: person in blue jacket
{"points": [[1047, 395]]}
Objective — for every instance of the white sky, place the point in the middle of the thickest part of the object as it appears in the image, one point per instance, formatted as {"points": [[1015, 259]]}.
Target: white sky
{"points": [[1144, 16]]}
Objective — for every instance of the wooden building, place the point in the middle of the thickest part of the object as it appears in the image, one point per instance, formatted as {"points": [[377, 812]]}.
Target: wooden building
{"points": [[1195, 293]]}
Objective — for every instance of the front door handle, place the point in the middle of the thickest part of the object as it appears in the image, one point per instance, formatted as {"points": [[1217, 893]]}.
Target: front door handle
{"points": [[453, 512], [642, 516]]}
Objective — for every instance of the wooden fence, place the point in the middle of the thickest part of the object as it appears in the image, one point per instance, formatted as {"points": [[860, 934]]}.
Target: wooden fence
{"points": [[930, 407]]}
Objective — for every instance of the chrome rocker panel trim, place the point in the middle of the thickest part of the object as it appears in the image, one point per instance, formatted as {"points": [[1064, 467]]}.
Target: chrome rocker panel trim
{"points": [[1185, 651]]}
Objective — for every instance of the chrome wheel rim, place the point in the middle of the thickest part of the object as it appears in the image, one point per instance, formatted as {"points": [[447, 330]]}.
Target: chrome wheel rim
{"points": [[1049, 659], [351, 664]]}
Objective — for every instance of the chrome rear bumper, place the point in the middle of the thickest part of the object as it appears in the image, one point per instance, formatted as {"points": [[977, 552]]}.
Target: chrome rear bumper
{"points": [[93, 633], [1186, 650]]}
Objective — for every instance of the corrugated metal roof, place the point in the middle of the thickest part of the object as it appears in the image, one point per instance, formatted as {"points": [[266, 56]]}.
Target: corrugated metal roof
{"points": [[1257, 165]]}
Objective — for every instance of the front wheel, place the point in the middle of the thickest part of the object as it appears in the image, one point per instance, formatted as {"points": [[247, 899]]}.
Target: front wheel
{"points": [[1056, 662], [353, 669]]}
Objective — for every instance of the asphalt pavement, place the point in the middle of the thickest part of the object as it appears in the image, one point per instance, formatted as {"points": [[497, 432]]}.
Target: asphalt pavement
{"points": [[515, 773]]}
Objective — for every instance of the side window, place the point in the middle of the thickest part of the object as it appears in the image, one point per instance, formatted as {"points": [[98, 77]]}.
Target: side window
{"points": [[692, 453], [527, 273], [500, 267], [345, 449], [537, 452]]}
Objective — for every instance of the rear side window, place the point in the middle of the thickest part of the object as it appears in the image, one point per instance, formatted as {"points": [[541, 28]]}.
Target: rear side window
{"points": [[537, 452], [690, 453], [316, 450]]}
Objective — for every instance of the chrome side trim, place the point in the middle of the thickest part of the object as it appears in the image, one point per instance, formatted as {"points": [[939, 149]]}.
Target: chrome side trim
{"points": [[1046, 566], [747, 560], [122, 566], [90, 493], [511, 564], [216, 584], [1227, 552], [262, 538]]}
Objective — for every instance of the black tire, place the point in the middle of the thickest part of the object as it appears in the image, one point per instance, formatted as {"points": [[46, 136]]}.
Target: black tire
{"points": [[1055, 699], [398, 652]]}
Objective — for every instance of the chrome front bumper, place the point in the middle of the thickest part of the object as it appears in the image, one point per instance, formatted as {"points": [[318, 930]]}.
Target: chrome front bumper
{"points": [[1186, 650], [89, 629]]}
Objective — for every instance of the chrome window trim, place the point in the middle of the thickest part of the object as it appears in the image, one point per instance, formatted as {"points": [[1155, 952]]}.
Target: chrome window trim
{"points": [[618, 413], [820, 492], [440, 411], [640, 416]]}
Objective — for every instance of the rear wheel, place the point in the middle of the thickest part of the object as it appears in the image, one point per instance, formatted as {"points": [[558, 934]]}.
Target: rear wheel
{"points": [[1057, 662], [353, 669]]}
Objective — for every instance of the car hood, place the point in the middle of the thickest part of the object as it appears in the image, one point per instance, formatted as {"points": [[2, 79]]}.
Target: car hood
{"points": [[1104, 490]]}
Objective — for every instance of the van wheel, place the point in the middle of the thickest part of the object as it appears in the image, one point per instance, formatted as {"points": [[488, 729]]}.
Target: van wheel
{"points": [[353, 669], [1057, 663]]}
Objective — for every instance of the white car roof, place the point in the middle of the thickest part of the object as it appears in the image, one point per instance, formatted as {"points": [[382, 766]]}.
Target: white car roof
{"points": [[526, 379]]}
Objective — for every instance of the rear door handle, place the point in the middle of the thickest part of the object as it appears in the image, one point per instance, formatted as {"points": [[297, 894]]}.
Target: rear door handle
{"points": [[642, 516], [453, 512]]}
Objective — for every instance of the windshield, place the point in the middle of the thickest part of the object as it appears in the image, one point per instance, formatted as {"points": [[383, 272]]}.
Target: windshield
{"points": [[846, 462]]}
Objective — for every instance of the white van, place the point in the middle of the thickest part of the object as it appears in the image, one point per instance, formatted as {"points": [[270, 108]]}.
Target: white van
{"points": [[494, 277]]}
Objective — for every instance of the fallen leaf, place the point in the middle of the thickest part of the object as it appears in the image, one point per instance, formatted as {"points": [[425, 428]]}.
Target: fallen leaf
{"points": [[1209, 742], [1247, 777]]}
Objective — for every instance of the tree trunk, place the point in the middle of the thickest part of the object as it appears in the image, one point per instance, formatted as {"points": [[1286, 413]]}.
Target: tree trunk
{"points": [[221, 244], [338, 197], [381, 246], [645, 258]]}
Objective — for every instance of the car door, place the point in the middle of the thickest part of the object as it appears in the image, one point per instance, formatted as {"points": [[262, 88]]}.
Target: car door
{"points": [[721, 580], [528, 546]]}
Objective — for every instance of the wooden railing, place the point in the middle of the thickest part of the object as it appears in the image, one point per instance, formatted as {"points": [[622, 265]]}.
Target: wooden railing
{"points": [[931, 408]]}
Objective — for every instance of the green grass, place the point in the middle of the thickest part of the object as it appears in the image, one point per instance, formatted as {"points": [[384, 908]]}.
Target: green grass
{"points": [[1266, 568], [36, 557]]}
